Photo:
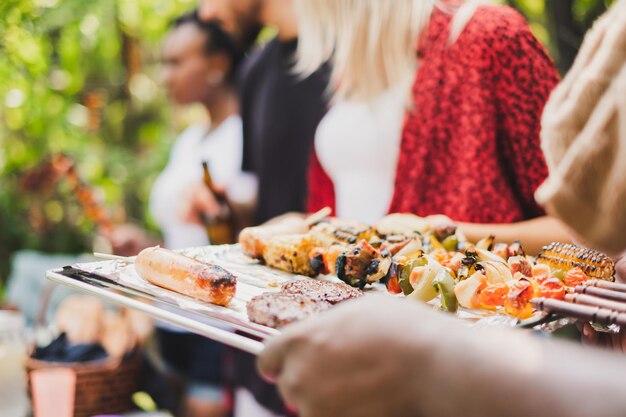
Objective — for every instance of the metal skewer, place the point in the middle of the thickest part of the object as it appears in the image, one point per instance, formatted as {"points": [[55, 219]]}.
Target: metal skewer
{"points": [[317, 216], [108, 256], [607, 285], [601, 292], [583, 312], [593, 301]]}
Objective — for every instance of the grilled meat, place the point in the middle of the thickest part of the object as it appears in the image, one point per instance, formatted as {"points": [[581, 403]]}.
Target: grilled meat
{"points": [[185, 275], [277, 309], [362, 264], [321, 290]]}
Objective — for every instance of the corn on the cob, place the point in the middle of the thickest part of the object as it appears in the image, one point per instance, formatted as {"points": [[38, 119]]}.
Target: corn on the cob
{"points": [[343, 231], [290, 253], [567, 256]]}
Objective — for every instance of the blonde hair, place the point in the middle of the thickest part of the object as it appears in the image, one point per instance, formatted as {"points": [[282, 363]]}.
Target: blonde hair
{"points": [[371, 44]]}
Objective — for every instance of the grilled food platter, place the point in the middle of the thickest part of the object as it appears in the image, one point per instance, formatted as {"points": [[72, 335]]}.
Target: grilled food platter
{"points": [[117, 281], [296, 268]]}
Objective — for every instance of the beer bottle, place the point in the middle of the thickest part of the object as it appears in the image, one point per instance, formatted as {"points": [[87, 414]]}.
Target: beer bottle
{"points": [[221, 228]]}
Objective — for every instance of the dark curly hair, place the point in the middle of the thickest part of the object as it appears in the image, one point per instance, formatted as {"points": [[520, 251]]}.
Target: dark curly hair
{"points": [[217, 40]]}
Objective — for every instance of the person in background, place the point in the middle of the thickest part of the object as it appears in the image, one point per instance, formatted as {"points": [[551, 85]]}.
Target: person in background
{"points": [[280, 111], [199, 66], [199, 63], [469, 147], [394, 358]]}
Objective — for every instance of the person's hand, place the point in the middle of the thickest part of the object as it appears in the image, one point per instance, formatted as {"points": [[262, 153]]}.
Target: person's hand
{"points": [[356, 360], [615, 342], [129, 240], [198, 203]]}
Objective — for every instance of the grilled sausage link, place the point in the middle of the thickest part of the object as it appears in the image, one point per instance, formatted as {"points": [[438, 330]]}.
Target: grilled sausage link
{"points": [[185, 275]]}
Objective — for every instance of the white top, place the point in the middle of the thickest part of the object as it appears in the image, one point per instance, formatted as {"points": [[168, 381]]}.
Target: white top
{"points": [[222, 149], [357, 144]]}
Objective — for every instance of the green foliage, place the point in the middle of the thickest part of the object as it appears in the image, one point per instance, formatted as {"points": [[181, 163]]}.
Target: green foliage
{"points": [[79, 77], [561, 24]]}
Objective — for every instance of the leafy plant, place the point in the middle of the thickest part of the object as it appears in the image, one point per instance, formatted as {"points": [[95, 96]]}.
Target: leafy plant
{"points": [[561, 24], [80, 77]]}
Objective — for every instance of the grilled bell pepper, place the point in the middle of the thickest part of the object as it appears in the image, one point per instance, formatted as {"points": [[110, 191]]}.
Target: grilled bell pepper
{"points": [[404, 273], [444, 284], [450, 243]]}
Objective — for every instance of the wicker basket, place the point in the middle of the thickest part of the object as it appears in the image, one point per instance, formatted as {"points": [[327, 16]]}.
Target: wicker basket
{"points": [[102, 387]]}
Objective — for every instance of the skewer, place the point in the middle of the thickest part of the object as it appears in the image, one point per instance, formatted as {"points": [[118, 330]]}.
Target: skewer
{"points": [[583, 312], [538, 321], [128, 259], [607, 285], [601, 292], [317, 216], [596, 302]]}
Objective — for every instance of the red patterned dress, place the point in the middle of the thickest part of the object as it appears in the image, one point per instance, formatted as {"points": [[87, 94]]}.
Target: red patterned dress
{"points": [[470, 147]]}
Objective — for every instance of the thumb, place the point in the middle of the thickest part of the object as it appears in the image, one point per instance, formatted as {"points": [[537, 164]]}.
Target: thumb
{"points": [[591, 337], [205, 202], [220, 188], [271, 360]]}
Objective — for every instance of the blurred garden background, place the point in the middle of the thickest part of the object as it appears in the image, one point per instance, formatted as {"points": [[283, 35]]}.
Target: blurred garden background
{"points": [[81, 77]]}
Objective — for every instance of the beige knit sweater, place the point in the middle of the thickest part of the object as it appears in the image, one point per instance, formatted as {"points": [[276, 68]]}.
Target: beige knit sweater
{"points": [[584, 138]]}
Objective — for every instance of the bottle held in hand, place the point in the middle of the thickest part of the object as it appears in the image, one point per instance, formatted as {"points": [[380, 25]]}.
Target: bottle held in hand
{"points": [[221, 228]]}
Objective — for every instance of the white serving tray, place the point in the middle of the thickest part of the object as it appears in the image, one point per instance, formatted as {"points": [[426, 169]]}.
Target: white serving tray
{"points": [[116, 281]]}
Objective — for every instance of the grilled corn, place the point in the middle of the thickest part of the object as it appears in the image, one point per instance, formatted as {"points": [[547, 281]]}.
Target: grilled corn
{"points": [[565, 256], [344, 232], [291, 253]]}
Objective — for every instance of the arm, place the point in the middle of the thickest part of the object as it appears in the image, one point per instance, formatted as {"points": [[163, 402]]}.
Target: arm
{"points": [[533, 234], [360, 359]]}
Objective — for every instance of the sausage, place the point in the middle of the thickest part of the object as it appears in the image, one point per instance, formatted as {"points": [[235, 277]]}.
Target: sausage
{"points": [[185, 275], [254, 239]]}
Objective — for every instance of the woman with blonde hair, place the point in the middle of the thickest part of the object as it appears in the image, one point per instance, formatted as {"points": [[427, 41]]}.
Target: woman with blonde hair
{"points": [[468, 136], [407, 360]]}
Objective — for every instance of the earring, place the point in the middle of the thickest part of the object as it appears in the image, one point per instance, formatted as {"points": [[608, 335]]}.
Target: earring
{"points": [[215, 77]]}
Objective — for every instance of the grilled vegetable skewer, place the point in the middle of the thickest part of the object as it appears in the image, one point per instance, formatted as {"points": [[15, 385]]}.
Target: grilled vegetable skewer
{"points": [[254, 239]]}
